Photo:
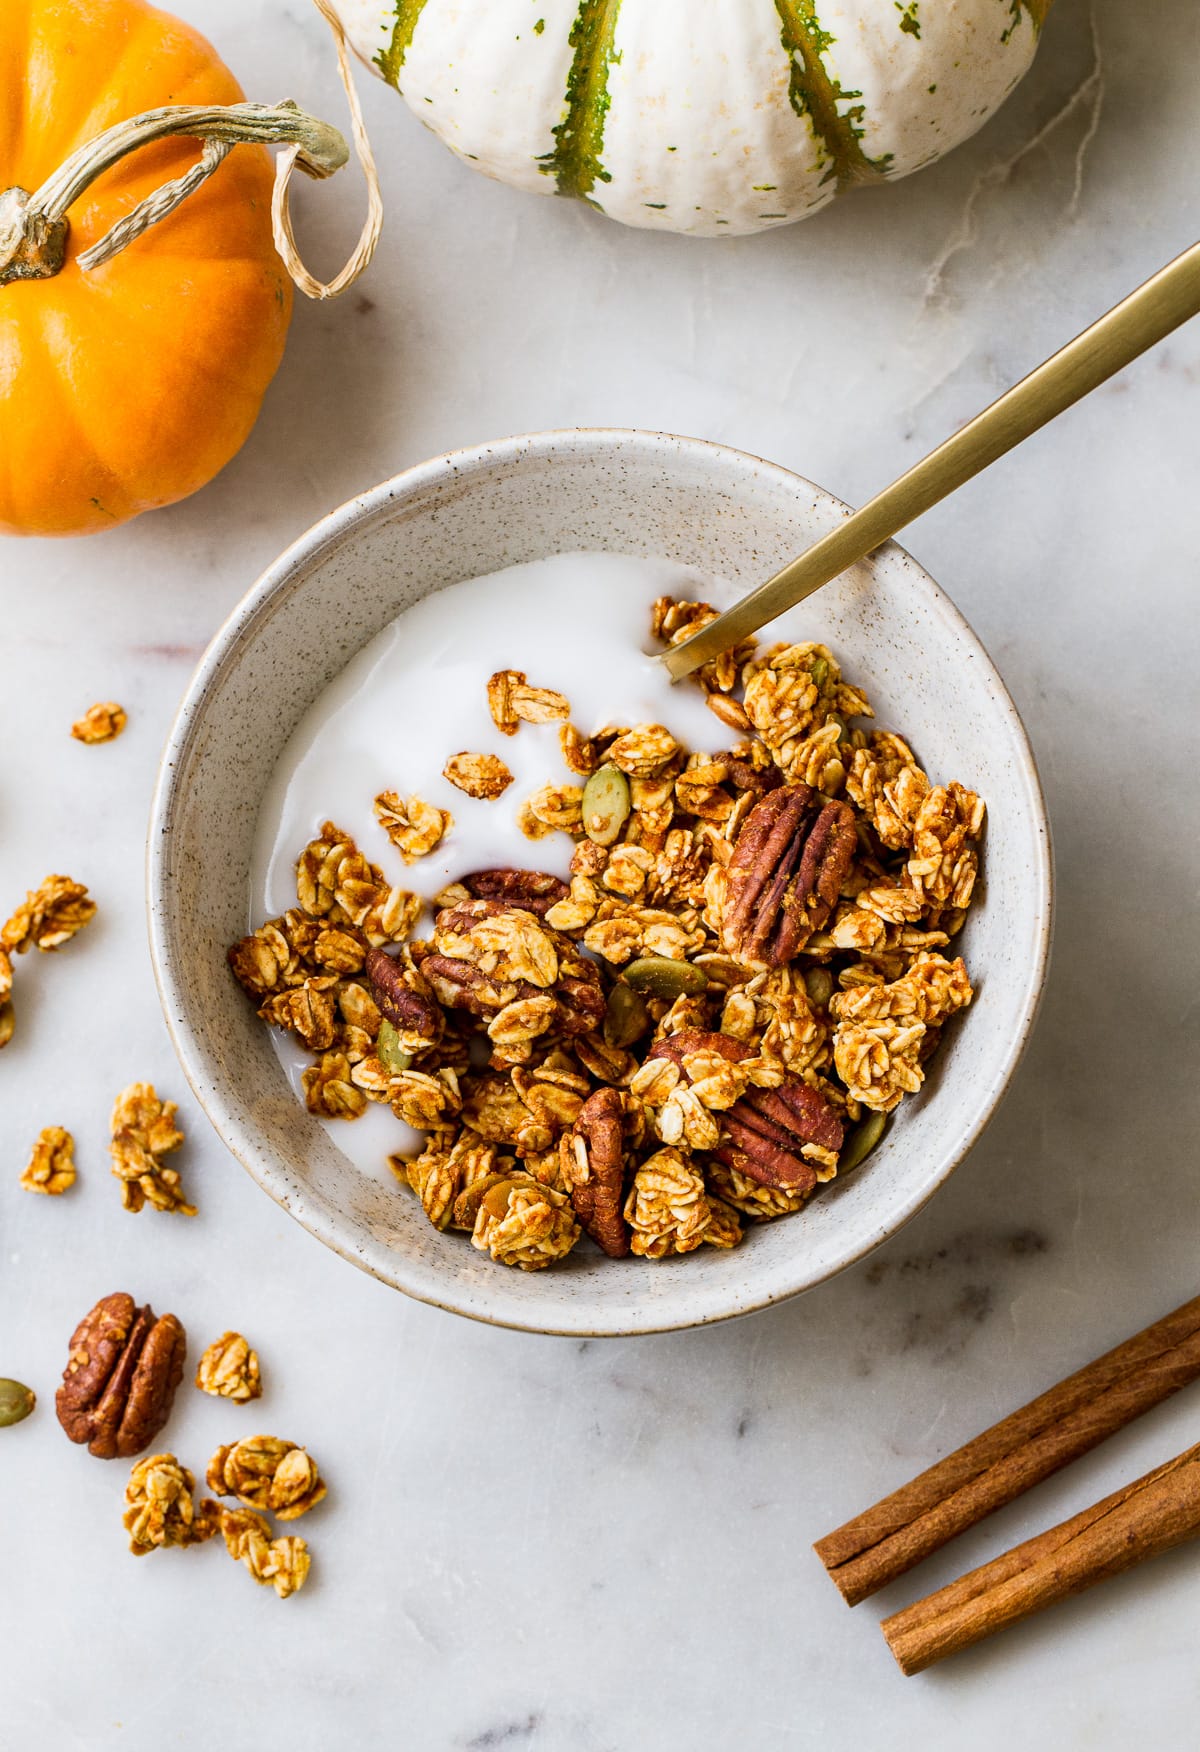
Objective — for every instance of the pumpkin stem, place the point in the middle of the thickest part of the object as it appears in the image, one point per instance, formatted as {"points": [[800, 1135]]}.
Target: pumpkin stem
{"points": [[33, 227]]}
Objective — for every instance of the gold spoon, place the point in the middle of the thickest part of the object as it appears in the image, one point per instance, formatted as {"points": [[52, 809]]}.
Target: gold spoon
{"points": [[1137, 323]]}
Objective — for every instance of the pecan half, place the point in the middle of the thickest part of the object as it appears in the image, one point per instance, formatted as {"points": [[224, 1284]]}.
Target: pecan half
{"points": [[593, 1159], [766, 1128], [687, 1041], [789, 862], [404, 1008], [460, 986], [747, 777], [534, 891], [120, 1377], [581, 999]]}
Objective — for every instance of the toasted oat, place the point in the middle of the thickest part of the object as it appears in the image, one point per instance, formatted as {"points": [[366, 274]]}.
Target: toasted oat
{"points": [[229, 1370], [512, 701], [159, 1507], [49, 916], [668, 1207], [523, 1223], [264, 1472], [51, 1167], [329, 1091], [413, 826], [282, 1564], [100, 723], [484, 776], [552, 809], [143, 1132]]}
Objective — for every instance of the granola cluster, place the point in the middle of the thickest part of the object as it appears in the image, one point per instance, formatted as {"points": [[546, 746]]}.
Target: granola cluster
{"points": [[49, 916], [744, 974], [100, 723], [229, 1370], [51, 1167], [160, 1511], [143, 1132]]}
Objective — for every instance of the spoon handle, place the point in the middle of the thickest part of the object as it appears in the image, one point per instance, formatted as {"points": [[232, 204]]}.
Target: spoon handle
{"points": [[1137, 323]]}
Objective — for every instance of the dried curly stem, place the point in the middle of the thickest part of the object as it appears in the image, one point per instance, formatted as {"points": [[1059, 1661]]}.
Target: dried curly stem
{"points": [[34, 227]]}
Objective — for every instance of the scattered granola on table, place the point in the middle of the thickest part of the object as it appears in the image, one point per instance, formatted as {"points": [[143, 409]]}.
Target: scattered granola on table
{"points": [[229, 1370], [119, 1383], [7, 1017], [49, 917], [264, 1472], [51, 1167], [100, 723], [143, 1132], [282, 1564], [160, 1509], [743, 975]]}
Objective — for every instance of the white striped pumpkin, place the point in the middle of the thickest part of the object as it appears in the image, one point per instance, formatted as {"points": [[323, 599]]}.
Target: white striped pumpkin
{"points": [[700, 116]]}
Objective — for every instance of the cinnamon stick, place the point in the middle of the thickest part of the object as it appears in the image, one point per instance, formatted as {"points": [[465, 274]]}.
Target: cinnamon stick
{"points": [[1140, 1521], [1015, 1454]]}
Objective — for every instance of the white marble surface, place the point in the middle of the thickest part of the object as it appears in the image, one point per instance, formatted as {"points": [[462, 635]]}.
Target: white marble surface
{"points": [[560, 1547]]}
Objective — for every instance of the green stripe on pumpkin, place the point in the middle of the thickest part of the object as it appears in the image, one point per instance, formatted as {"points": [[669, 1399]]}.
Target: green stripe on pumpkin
{"points": [[390, 60], [575, 163], [1037, 10], [817, 97]]}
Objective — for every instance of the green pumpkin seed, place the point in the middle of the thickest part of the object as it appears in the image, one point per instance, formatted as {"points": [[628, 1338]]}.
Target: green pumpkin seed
{"points": [[818, 983], [391, 1054], [862, 1141], [606, 805], [626, 1018], [819, 669], [660, 977], [16, 1402]]}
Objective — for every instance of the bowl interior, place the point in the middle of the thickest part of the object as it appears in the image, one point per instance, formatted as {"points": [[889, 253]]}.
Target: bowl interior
{"points": [[737, 518]]}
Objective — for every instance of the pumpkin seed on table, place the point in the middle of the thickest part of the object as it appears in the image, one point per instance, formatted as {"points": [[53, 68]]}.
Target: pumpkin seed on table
{"points": [[16, 1402], [862, 1141], [660, 977], [605, 805]]}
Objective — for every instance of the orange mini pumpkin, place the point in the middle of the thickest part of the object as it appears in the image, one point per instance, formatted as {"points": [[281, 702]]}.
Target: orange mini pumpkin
{"points": [[127, 385]]}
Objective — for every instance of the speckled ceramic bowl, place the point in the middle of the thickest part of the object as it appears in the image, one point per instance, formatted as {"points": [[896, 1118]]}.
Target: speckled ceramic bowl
{"points": [[472, 513]]}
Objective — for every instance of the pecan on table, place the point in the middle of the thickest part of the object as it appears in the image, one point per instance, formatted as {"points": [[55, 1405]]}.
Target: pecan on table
{"points": [[120, 1377], [765, 1130], [789, 862], [593, 1156]]}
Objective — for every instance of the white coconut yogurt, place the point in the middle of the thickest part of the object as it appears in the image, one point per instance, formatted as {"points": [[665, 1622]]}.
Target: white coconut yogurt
{"points": [[417, 694]]}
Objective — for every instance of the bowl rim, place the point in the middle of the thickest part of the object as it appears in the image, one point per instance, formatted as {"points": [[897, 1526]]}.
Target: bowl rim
{"points": [[274, 581]]}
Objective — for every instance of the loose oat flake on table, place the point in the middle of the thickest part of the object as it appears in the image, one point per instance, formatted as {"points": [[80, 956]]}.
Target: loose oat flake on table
{"points": [[51, 1168], [100, 723], [743, 976], [229, 1370]]}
